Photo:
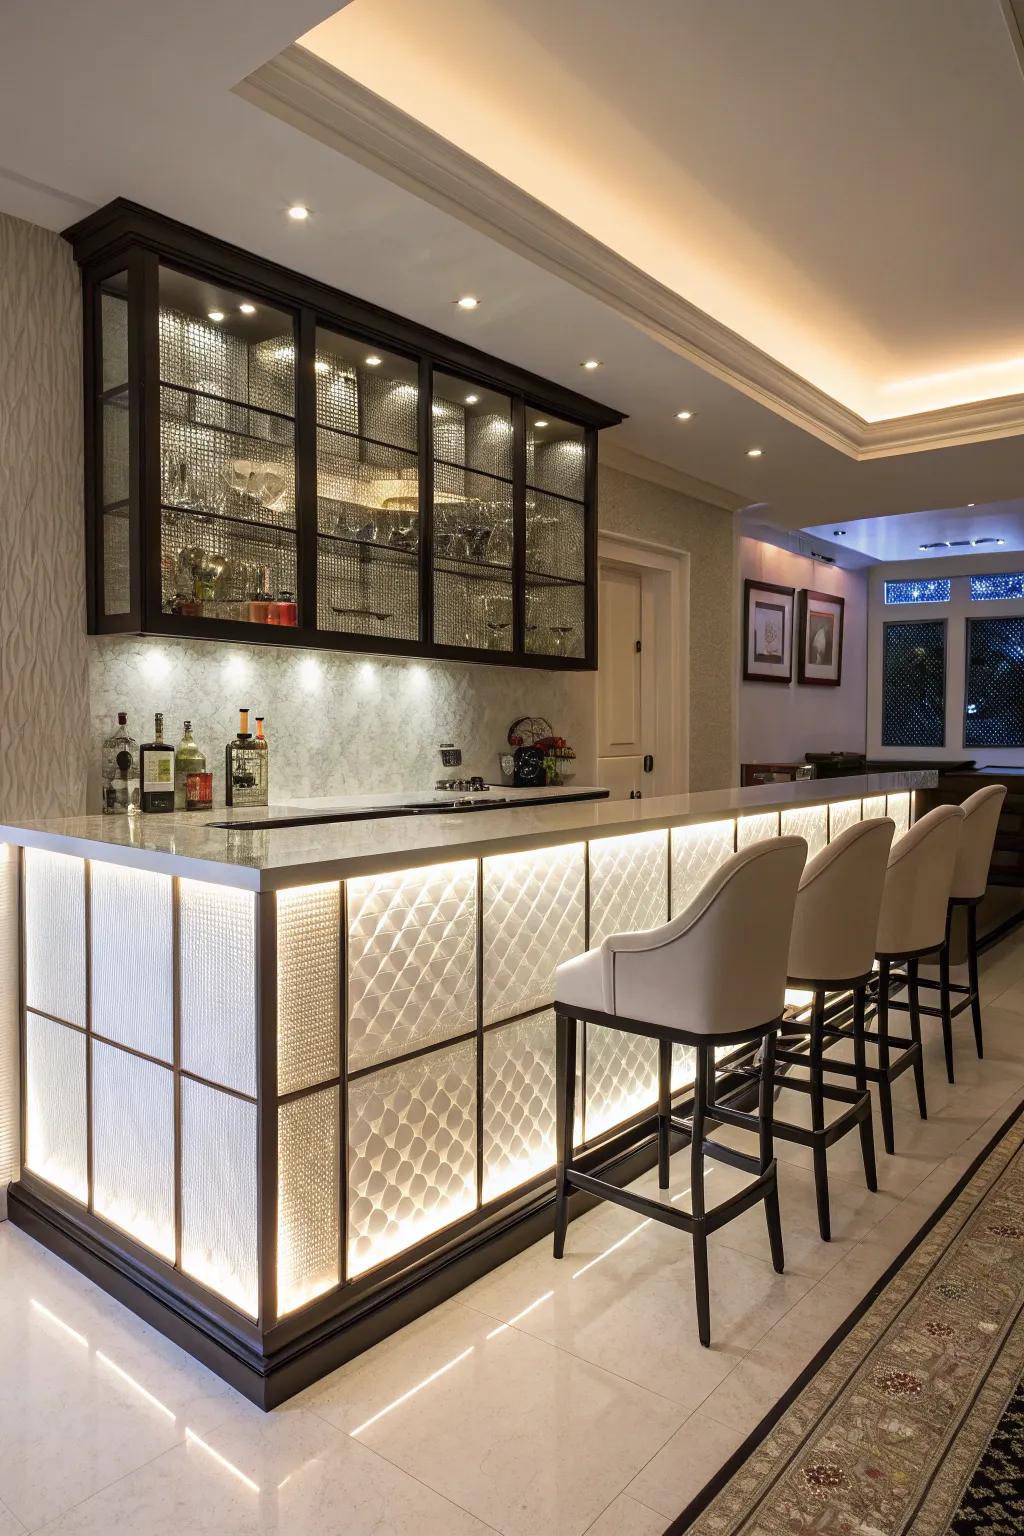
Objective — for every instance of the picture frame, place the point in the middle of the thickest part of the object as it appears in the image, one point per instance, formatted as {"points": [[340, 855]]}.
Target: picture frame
{"points": [[767, 632], [820, 631]]}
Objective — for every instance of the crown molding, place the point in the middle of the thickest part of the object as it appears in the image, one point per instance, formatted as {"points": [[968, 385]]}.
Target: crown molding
{"points": [[614, 456], [303, 90]]}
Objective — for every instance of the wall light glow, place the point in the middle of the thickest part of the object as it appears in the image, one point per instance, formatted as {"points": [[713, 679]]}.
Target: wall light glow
{"points": [[154, 664], [310, 675]]}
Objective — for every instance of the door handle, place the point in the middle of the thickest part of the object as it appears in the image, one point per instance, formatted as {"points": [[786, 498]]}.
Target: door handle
{"points": [[648, 763]]}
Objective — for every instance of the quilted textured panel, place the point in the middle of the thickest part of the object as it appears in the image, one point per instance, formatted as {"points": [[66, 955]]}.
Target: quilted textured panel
{"points": [[696, 853], [519, 1103], [55, 1114], [533, 920], [10, 1094], [622, 1077], [308, 985], [412, 1152], [684, 1066], [755, 828], [898, 807], [842, 814], [809, 822], [218, 1193], [133, 1146], [218, 983], [411, 960], [308, 1212], [133, 958], [55, 934], [628, 884], [874, 805]]}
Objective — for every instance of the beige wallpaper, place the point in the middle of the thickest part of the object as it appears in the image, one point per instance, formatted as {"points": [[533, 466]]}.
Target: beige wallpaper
{"points": [[45, 737]]}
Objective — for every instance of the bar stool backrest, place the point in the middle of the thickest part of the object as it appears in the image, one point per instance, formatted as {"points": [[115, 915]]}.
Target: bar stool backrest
{"points": [[918, 880], [835, 925], [720, 966], [977, 839]]}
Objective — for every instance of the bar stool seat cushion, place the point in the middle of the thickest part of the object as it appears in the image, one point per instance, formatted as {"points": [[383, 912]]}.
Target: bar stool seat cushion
{"points": [[835, 923], [918, 880], [688, 974], [977, 839]]}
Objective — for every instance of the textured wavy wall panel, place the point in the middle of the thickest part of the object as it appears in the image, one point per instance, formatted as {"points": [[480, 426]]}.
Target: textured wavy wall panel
{"points": [[809, 822], [754, 829], [55, 1107], [841, 815], [55, 934], [218, 1193], [9, 1096], [533, 920], [133, 1146], [132, 958], [44, 690], [898, 807]]}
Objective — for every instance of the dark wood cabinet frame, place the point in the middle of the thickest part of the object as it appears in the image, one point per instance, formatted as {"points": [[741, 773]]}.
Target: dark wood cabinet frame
{"points": [[124, 237]]}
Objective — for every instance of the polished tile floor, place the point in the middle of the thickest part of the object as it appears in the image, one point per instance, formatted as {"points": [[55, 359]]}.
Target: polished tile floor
{"points": [[547, 1400]]}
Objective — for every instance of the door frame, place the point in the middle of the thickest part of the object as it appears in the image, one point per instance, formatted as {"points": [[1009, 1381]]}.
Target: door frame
{"points": [[665, 575]]}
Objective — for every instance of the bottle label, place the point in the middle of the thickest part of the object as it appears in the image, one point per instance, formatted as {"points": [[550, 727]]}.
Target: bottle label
{"points": [[158, 771]]}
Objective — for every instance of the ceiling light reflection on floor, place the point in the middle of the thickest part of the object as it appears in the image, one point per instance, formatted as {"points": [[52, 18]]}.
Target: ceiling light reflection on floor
{"points": [[79, 1338], [193, 1439], [442, 1370]]}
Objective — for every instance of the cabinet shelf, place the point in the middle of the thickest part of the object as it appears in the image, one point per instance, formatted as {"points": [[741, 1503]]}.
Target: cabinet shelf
{"points": [[255, 409]]}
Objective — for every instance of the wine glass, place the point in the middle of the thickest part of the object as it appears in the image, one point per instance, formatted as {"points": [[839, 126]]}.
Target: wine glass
{"points": [[497, 607]]}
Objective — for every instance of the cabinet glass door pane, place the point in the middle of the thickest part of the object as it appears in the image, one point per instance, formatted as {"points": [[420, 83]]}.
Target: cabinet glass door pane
{"points": [[555, 536], [227, 454], [473, 524], [114, 474], [368, 507]]}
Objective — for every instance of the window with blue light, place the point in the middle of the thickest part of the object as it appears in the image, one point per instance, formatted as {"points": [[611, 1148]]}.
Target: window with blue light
{"points": [[994, 695], [994, 589], [934, 591]]}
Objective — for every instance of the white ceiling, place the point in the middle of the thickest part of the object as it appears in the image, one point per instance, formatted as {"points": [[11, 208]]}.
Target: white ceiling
{"points": [[953, 530], [135, 98]]}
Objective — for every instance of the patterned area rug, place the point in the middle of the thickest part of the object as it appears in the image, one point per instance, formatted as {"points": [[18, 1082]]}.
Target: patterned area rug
{"points": [[911, 1418]]}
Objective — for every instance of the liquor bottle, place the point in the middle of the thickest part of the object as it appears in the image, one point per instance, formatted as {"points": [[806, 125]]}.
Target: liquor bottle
{"points": [[245, 767], [120, 771], [156, 762], [187, 759]]}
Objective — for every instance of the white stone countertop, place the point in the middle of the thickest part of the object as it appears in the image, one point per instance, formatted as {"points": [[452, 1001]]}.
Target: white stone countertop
{"points": [[260, 858]]}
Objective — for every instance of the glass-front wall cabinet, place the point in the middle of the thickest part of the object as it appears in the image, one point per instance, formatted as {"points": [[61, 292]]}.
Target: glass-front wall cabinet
{"points": [[270, 460]]}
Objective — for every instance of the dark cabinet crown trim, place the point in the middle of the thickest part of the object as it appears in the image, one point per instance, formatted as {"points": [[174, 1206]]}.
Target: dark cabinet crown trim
{"points": [[272, 461]]}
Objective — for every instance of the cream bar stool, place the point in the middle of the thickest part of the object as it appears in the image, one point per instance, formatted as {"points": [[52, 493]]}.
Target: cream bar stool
{"points": [[715, 975], [970, 879], [835, 927], [912, 923]]}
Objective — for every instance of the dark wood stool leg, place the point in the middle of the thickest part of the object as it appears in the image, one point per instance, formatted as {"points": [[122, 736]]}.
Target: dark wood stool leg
{"points": [[859, 1051], [818, 1152], [914, 998], [884, 1087], [944, 998], [972, 976], [565, 1113], [766, 1111], [700, 1237], [664, 1110]]}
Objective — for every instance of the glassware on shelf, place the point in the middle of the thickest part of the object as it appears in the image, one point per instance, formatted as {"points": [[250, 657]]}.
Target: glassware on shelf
{"points": [[499, 549], [560, 644], [497, 608]]}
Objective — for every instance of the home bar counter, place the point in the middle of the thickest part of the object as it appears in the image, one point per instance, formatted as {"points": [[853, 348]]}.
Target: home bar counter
{"points": [[284, 1087]]}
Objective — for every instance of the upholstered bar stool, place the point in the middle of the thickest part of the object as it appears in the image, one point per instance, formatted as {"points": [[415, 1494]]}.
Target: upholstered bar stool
{"points": [[970, 880], [912, 923], [715, 975], [835, 927]]}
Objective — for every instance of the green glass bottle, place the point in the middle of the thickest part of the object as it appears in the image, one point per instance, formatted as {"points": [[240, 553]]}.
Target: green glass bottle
{"points": [[187, 759]]}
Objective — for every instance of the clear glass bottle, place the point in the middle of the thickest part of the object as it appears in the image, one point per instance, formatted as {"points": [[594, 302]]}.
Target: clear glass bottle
{"points": [[156, 769], [187, 759], [120, 771], [245, 767]]}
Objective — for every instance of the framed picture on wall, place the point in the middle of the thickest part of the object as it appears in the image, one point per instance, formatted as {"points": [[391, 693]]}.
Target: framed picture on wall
{"points": [[820, 625], [767, 632]]}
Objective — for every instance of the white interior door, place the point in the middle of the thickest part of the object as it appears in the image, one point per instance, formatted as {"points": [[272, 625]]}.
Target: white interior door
{"points": [[623, 683]]}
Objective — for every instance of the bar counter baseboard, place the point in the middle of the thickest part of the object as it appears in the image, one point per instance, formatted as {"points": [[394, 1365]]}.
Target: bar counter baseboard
{"points": [[281, 1122]]}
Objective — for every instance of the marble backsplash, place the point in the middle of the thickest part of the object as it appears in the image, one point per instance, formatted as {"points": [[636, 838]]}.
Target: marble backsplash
{"points": [[337, 723]]}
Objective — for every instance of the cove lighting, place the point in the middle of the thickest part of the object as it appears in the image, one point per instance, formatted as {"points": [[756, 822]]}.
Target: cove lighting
{"points": [[247, 309], [468, 301], [298, 212]]}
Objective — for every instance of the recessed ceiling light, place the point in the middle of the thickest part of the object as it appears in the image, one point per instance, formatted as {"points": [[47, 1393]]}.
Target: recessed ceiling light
{"points": [[922, 546], [591, 362], [970, 503], [684, 415], [839, 533], [1000, 541], [472, 399], [247, 309], [754, 453], [373, 361], [216, 315], [298, 212], [540, 423], [468, 301]]}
